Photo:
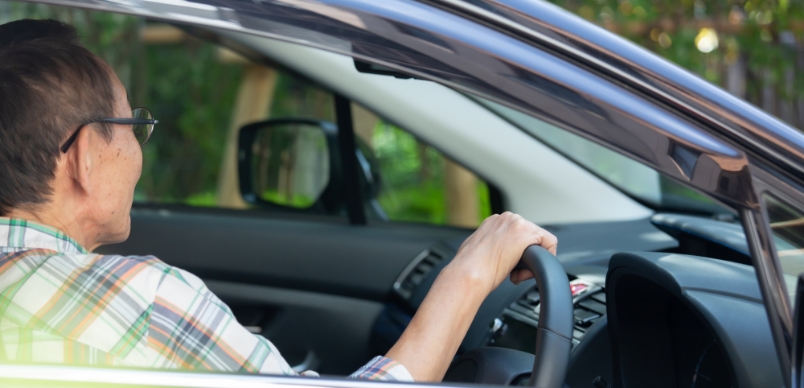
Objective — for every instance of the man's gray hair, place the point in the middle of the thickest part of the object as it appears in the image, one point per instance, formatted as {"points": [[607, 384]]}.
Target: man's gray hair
{"points": [[49, 86]]}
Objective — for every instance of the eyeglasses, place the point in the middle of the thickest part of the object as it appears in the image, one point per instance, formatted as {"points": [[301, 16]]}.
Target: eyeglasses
{"points": [[141, 119]]}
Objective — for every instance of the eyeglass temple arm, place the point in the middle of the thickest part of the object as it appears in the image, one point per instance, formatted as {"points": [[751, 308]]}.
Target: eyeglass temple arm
{"points": [[129, 121], [71, 139]]}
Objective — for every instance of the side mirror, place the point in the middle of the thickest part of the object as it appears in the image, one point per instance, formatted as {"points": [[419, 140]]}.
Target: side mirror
{"points": [[291, 164]]}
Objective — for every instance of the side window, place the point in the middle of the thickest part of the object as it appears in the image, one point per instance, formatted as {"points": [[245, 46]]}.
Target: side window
{"points": [[196, 90], [192, 158], [418, 183], [183, 158], [787, 228], [629, 176], [202, 94]]}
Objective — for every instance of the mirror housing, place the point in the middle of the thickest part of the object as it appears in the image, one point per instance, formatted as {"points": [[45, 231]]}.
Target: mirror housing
{"points": [[291, 165]]}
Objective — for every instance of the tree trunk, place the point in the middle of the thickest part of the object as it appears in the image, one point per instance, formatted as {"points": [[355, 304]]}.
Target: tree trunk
{"points": [[735, 77], [798, 99], [768, 94], [364, 122], [461, 195], [253, 103], [786, 112]]}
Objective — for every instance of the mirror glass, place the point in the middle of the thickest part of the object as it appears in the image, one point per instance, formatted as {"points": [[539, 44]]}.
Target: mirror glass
{"points": [[290, 164]]}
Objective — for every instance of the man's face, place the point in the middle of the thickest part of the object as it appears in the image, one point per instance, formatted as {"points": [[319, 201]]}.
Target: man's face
{"points": [[114, 176]]}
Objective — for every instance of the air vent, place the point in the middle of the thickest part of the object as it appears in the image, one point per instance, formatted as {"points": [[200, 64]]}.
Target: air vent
{"points": [[415, 273]]}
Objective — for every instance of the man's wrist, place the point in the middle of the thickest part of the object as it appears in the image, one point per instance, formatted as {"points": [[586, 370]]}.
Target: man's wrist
{"points": [[469, 281]]}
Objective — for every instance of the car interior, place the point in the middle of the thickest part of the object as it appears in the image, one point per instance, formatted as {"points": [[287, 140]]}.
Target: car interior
{"points": [[662, 289]]}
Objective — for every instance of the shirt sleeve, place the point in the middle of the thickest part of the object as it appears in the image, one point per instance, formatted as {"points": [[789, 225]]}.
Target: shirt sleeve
{"points": [[383, 368], [191, 328]]}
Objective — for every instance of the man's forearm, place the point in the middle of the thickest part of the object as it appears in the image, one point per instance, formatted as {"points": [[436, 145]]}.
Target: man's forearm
{"points": [[483, 261], [431, 340]]}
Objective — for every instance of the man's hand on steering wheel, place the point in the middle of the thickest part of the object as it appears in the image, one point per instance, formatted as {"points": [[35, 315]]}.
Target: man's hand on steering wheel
{"points": [[497, 245], [482, 263]]}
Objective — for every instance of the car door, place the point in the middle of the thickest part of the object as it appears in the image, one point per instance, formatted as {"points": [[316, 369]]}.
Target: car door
{"points": [[541, 83], [312, 283], [602, 100]]}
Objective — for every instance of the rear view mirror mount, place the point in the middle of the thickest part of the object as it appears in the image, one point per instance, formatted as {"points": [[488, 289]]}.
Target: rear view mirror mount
{"points": [[370, 68]]}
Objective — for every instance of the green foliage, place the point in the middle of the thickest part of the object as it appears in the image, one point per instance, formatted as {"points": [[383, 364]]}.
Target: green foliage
{"points": [[187, 89], [192, 94], [208, 199], [296, 200], [109, 35], [299, 98], [413, 178], [763, 33]]}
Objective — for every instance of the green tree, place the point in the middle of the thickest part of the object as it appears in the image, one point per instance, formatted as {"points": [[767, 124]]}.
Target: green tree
{"points": [[758, 40]]}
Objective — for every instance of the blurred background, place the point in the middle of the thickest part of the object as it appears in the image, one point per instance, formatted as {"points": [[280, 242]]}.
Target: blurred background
{"points": [[202, 94], [750, 48]]}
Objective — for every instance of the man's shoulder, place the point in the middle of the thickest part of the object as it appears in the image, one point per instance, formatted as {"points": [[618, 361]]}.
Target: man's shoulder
{"points": [[126, 274], [153, 266], [147, 263], [119, 264], [123, 283]]}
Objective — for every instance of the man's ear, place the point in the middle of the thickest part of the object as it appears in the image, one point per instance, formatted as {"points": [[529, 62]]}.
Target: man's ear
{"points": [[80, 159]]}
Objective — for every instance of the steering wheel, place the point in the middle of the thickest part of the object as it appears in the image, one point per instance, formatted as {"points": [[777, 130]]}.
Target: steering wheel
{"points": [[553, 334]]}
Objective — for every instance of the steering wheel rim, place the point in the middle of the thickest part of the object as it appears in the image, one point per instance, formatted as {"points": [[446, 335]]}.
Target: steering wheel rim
{"points": [[554, 331]]}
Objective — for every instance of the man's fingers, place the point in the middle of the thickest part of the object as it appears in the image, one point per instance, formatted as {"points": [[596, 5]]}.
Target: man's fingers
{"points": [[520, 275], [537, 235], [548, 241]]}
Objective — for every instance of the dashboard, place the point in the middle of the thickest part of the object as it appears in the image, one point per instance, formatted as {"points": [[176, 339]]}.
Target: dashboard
{"points": [[660, 318], [664, 341]]}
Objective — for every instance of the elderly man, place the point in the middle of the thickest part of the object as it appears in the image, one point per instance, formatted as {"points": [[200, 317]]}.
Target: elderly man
{"points": [[70, 158]]}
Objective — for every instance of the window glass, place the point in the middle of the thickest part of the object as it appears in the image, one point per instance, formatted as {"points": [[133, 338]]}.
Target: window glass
{"points": [[628, 175], [182, 160], [202, 94], [191, 159], [417, 182], [787, 227]]}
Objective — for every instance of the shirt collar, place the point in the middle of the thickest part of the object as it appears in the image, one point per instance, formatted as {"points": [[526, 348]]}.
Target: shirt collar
{"points": [[17, 234]]}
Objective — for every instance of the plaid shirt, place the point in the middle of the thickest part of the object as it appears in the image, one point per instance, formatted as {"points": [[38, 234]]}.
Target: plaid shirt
{"points": [[61, 304]]}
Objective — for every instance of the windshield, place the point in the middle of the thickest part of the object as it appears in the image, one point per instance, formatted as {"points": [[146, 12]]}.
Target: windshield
{"points": [[631, 177]]}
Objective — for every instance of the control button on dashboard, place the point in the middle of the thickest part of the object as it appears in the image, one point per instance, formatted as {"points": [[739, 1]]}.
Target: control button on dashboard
{"points": [[600, 297], [496, 325], [585, 317], [577, 288], [532, 297], [593, 305]]}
